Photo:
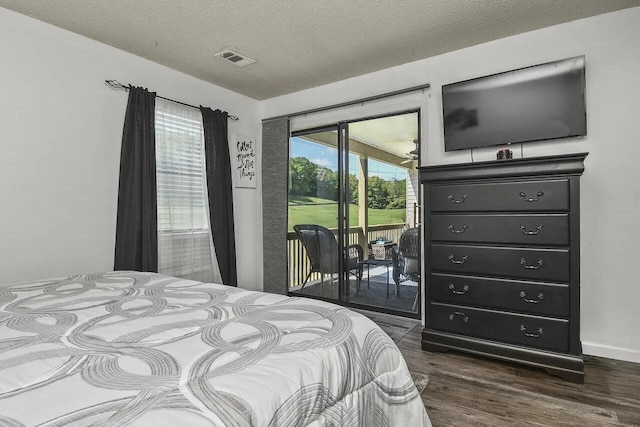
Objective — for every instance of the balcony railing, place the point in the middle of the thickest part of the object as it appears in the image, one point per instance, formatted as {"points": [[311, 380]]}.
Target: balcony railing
{"points": [[299, 265]]}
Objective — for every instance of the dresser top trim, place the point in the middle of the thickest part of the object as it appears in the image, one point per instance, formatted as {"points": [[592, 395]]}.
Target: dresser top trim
{"points": [[567, 164]]}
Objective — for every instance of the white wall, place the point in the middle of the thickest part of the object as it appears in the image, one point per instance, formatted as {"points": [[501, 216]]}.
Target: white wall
{"points": [[60, 150], [611, 183]]}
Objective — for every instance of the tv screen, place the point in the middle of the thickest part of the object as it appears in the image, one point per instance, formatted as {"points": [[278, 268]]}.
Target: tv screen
{"points": [[541, 102]]}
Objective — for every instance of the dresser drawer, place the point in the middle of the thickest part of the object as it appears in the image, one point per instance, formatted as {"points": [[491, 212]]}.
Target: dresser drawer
{"points": [[531, 331], [512, 295], [540, 229], [552, 195], [525, 263]]}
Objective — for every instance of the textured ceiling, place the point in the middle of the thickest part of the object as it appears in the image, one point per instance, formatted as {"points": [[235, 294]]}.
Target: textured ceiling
{"points": [[300, 44]]}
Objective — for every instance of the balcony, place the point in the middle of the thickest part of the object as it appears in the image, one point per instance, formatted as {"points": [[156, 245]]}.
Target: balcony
{"points": [[373, 287]]}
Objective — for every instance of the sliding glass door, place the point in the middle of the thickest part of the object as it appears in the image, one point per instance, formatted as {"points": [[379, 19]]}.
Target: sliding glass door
{"points": [[353, 201], [314, 213], [385, 157]]}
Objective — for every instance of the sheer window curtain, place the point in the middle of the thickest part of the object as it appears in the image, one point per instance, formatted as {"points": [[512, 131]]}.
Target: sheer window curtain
{"points": [[185, 245]]}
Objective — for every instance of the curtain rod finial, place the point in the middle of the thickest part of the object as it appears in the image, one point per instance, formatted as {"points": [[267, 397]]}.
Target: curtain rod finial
{"points": [[114, 84]]}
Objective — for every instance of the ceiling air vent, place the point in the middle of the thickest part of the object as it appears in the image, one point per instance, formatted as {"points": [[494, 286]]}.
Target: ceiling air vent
{"points": [[235, 58]]}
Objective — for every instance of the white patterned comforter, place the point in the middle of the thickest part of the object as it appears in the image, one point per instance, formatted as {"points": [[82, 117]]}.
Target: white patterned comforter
{"points": [[130, 348]]}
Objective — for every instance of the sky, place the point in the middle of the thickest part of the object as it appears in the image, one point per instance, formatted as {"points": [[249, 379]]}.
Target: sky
{"points": [[328, 157]]}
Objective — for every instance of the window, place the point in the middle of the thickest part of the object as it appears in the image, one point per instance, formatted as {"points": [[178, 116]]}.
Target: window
{"points": [[185, 247]]}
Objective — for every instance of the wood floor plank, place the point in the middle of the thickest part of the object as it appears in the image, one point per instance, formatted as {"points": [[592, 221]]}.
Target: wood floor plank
{"points": [[552, 411], [629, 418], [415, 362], [440, 413], [466, 390], [461, 392]]}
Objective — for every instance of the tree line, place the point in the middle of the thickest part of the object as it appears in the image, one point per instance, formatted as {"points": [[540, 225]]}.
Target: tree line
{"points": [[311, 180]]}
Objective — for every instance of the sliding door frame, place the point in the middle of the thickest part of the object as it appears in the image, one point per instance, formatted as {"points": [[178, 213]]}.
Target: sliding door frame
{"points": [[342, 128]]}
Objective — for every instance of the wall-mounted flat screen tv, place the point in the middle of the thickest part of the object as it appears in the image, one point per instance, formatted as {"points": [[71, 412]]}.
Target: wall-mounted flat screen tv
{"points": [[541, 102]]}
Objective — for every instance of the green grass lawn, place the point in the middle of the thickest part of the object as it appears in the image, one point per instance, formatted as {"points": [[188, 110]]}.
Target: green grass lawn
{"points": [[312, 210]]}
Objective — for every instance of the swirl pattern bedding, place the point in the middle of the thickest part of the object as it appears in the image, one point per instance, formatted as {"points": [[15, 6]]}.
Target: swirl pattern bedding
{"points": [[130, 348]]}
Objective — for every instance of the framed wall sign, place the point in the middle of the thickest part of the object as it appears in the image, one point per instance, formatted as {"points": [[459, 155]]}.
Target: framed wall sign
{"points": [[244, 161]]}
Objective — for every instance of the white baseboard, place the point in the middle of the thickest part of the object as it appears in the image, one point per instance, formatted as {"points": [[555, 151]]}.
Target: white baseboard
{"points": [[618, 353]]}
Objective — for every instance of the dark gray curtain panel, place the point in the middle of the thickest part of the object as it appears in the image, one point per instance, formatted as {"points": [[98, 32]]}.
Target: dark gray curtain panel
{"points": [[137, 221], [275, 165], [220, 188]]}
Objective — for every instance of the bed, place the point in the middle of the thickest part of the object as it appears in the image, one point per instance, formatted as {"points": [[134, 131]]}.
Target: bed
{"points": [[131, 348]]}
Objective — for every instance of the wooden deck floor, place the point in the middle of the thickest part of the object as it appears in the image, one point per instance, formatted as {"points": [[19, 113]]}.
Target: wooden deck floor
{"points": [[473, 391]]}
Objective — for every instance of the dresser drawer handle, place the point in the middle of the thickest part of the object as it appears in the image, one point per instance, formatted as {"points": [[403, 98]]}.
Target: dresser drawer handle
{"points": [[539, 194], [464, 290], [531, 267], [452, 199], [459, 313], [530, 233], [530, 334], [457, 261], [453, 229], [523, 295]]}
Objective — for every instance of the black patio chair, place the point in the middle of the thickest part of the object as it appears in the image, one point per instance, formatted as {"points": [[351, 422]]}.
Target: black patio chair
{"points": [[406, 259], [322, 249]]}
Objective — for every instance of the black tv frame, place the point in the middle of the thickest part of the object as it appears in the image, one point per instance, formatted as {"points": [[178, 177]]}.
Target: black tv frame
{"points": [[470, 117]]}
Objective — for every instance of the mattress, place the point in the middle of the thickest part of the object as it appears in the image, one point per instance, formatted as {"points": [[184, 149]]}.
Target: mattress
{"points": [[131, 348]]}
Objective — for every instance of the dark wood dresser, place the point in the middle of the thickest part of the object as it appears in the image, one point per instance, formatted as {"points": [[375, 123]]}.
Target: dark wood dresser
{"points": [[502, 261]]}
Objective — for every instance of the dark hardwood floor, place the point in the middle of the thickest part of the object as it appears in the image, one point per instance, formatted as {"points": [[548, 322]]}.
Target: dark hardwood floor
{"points": [[472, 391]]}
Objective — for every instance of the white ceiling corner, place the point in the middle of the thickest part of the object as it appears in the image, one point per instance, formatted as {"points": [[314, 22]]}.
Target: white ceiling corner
{"points": [[300, 45]]}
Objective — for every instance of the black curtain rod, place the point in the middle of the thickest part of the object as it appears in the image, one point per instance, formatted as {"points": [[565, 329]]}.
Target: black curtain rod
{"points": [[354, 102], [117, 85]]}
